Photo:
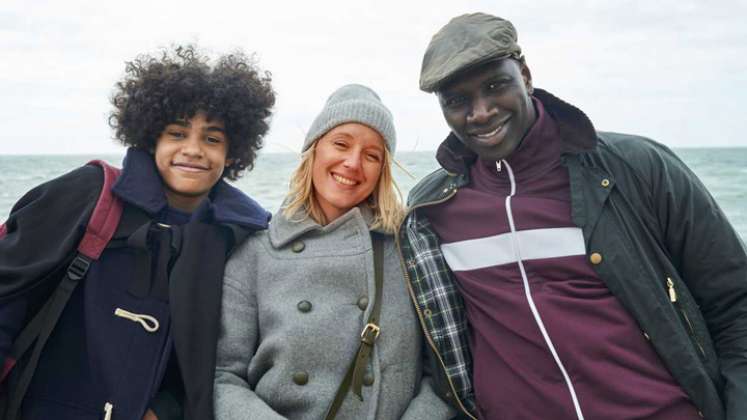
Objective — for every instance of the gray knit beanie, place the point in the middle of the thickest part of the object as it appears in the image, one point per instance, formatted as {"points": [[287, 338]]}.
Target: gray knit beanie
{"points": [[358, 104]]}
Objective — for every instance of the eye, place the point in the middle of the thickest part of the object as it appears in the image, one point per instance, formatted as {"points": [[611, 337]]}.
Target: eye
{"points": [[213, 139], [497, 85], [454, 101], [176, 134], [340, 144], [373, 157]]}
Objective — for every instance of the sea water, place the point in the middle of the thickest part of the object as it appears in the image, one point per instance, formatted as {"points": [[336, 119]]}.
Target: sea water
{"points": [[722, 170]]}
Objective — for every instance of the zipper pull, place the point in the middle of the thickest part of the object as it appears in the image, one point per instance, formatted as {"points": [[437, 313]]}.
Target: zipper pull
{"points": [[672, 292], [108, 407], [498, 165]]}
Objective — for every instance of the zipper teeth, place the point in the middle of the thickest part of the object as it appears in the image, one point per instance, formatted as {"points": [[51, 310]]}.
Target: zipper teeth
{"points": [[692, 331], [426, 333], [530, 299]]}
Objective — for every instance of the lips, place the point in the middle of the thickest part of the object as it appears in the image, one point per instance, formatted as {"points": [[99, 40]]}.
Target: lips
{"points": [[189, 167]]}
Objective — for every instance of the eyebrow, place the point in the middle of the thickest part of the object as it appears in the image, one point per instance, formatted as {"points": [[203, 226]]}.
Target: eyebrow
{"points": [[445, 95], [211, 128], [215, 128], [451, 89]]}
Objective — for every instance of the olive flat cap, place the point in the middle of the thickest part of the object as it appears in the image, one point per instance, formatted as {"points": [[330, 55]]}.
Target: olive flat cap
{"points": [[464, 42]]}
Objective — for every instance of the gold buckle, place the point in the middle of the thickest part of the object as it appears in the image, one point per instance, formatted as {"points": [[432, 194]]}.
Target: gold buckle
{"points": [[370, 328]]}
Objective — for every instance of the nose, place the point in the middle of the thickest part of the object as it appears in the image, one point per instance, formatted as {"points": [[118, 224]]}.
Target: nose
{"points": [[352, 160], [481, 111], [192, 145]]}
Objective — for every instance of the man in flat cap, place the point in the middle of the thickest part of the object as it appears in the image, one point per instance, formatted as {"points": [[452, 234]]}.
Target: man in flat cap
{"points": [[560, 272]]}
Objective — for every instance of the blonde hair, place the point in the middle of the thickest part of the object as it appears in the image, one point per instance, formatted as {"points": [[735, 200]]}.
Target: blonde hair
{"points": [[385, 201]]}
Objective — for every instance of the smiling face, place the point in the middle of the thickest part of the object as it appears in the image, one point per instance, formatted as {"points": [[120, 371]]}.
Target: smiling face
{"points": [[191, 156], [489, 108], [347, 167]]}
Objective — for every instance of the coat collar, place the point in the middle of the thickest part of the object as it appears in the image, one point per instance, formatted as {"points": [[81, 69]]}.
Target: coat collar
{"points": [[576, 131], [140, 185], [283, 230]]}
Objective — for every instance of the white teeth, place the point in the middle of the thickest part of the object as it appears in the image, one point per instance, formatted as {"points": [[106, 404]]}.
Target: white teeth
{"points": [[342, 180], [490, 134]]}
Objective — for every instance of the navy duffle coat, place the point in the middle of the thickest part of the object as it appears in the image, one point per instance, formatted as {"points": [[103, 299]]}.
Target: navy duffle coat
{"points": [[112, 344]]}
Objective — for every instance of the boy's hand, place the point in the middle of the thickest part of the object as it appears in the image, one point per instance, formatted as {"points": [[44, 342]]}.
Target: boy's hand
{"points": [[150, 415]]}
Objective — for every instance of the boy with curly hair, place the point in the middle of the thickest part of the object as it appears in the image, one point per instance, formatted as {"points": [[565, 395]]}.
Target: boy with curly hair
{"points": [[137, 337]]}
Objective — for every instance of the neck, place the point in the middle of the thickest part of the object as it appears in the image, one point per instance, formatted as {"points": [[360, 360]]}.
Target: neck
{"points": [[184, 203]]}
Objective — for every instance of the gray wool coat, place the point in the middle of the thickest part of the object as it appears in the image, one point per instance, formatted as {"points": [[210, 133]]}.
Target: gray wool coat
{"points": [[295, 299]]}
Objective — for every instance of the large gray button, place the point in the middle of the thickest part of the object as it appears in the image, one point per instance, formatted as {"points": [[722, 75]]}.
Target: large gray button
{"points": [[368, 379], [298, 246], [301, 378], [363, 302], [304, 306]]}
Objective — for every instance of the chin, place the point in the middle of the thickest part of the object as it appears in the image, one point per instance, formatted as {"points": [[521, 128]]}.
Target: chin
{"points": [[344, 207], [190, 192]]}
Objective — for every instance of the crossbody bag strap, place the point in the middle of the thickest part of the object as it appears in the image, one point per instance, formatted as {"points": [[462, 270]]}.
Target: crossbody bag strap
{"points": [[354, 375], [40, 327], [100, 229]]}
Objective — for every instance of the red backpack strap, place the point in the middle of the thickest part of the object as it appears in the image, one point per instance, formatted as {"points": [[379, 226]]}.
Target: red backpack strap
{"points": [[100, 229], [104, 219], [105, 216]]}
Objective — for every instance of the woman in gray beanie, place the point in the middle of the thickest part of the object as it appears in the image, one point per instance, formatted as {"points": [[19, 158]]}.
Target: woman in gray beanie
{"points": [[317, 321]]}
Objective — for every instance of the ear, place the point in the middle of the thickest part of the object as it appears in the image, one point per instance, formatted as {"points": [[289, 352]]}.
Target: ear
{"points": [[526, 74]]}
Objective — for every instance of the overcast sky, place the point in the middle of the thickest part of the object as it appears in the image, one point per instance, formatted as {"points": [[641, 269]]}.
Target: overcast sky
{"points": [[673, 70]]}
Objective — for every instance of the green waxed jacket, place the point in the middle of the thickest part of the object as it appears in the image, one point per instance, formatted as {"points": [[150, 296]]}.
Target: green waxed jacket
{"points": [[667, 251]]}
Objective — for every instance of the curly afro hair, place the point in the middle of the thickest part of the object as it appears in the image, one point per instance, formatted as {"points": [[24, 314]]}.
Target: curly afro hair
{"points": [[156, 91]]}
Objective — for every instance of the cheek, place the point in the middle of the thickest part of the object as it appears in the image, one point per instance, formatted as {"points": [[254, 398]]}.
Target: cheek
{"points": [[451, 119], [219, 159], [317, 169], [373, 173], [318, 176], [324, 161], [457, 126], [161, 155]]}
